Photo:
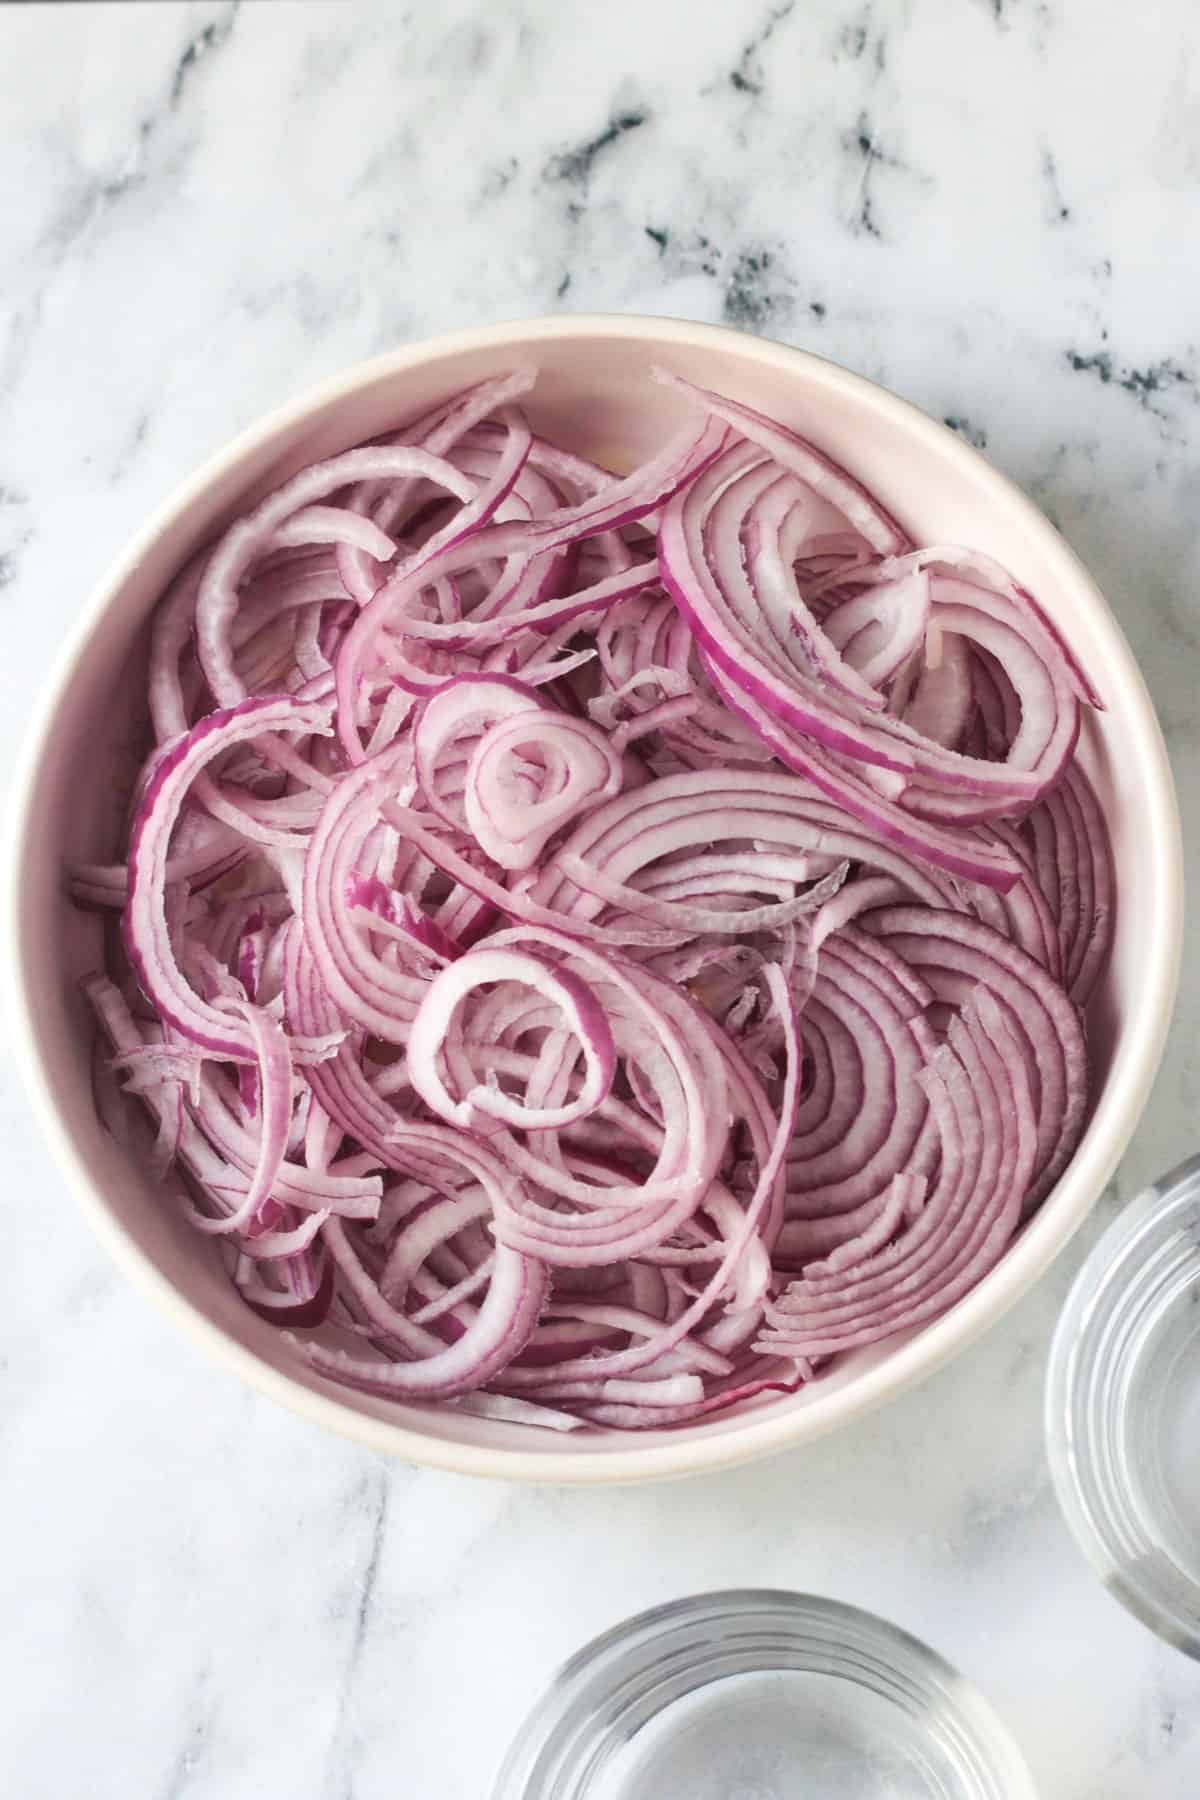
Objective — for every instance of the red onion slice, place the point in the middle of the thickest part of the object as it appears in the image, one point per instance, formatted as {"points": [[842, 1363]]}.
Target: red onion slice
{"points": [[527, 778], [979, 1092], [881, 627], [147, 939], [504, 1322], [435, 1018]]}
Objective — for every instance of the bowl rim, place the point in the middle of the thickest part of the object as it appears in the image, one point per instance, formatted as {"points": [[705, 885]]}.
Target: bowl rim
{"points": [[775, 1428]]}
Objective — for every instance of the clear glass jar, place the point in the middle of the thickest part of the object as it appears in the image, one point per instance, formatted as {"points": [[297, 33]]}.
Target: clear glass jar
{"points": [[759, 1695], [1123, 1407]]}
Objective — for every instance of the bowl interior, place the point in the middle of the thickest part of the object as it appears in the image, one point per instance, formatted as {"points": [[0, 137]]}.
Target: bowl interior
{"points": [[594, 396]]}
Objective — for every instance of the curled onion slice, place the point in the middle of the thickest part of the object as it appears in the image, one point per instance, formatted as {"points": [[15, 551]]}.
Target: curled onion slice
{"points": [[435, 1018]]}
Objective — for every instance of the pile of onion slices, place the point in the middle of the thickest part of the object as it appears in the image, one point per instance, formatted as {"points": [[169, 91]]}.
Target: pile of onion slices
{"points": [[590, 948]]}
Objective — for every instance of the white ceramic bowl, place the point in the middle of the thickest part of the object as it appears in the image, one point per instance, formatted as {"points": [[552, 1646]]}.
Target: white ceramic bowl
{"points": [[592, 395]]}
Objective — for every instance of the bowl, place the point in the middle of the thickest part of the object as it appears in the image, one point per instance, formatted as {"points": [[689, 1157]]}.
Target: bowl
{"points": [[1123, 1403], [759, 1693], [593, 395]]}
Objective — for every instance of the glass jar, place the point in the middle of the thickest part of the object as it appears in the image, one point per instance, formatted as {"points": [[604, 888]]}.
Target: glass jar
{"points": [[760, 1695], [1123, 1407]]}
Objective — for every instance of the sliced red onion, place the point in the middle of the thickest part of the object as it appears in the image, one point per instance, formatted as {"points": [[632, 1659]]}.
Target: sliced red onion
{"points": [[879, 628], [683, 812], [986, 572], [462, 708], [980, 1094], [565, 990], [529, 777], [381, 993], [274, 1119], [936, 699], [955, 851], [1072, 867], [147, 940], [502, 1325], [653, 1345], [1042, 1019], [535, 541], [437, 437], [679, 886], [860, 509], [705, 572]]}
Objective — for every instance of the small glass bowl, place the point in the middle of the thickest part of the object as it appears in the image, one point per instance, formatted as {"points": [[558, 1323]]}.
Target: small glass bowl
{"points": [[1123, 1407], [759, 1695]]}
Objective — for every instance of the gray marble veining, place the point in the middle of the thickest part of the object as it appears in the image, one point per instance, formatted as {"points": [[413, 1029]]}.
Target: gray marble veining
{"points": [[988, 204]]}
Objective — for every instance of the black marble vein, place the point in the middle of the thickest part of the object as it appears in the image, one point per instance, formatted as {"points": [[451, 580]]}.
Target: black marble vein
{"points": [[756, 288], [858, 36], [966, 429], [865, 149], [862, 141], [201, 45], [340, 1782], [1005, 12], [747, 74], [191, 1752], [1057, 210], [499, 178], [1158, 378], [574, 167]]}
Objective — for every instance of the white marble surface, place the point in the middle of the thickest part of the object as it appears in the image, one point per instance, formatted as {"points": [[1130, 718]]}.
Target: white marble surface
{"points": [[989, 204]]}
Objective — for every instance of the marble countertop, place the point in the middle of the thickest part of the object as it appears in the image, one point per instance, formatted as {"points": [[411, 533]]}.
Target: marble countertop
{"points": [[989, 205]]}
